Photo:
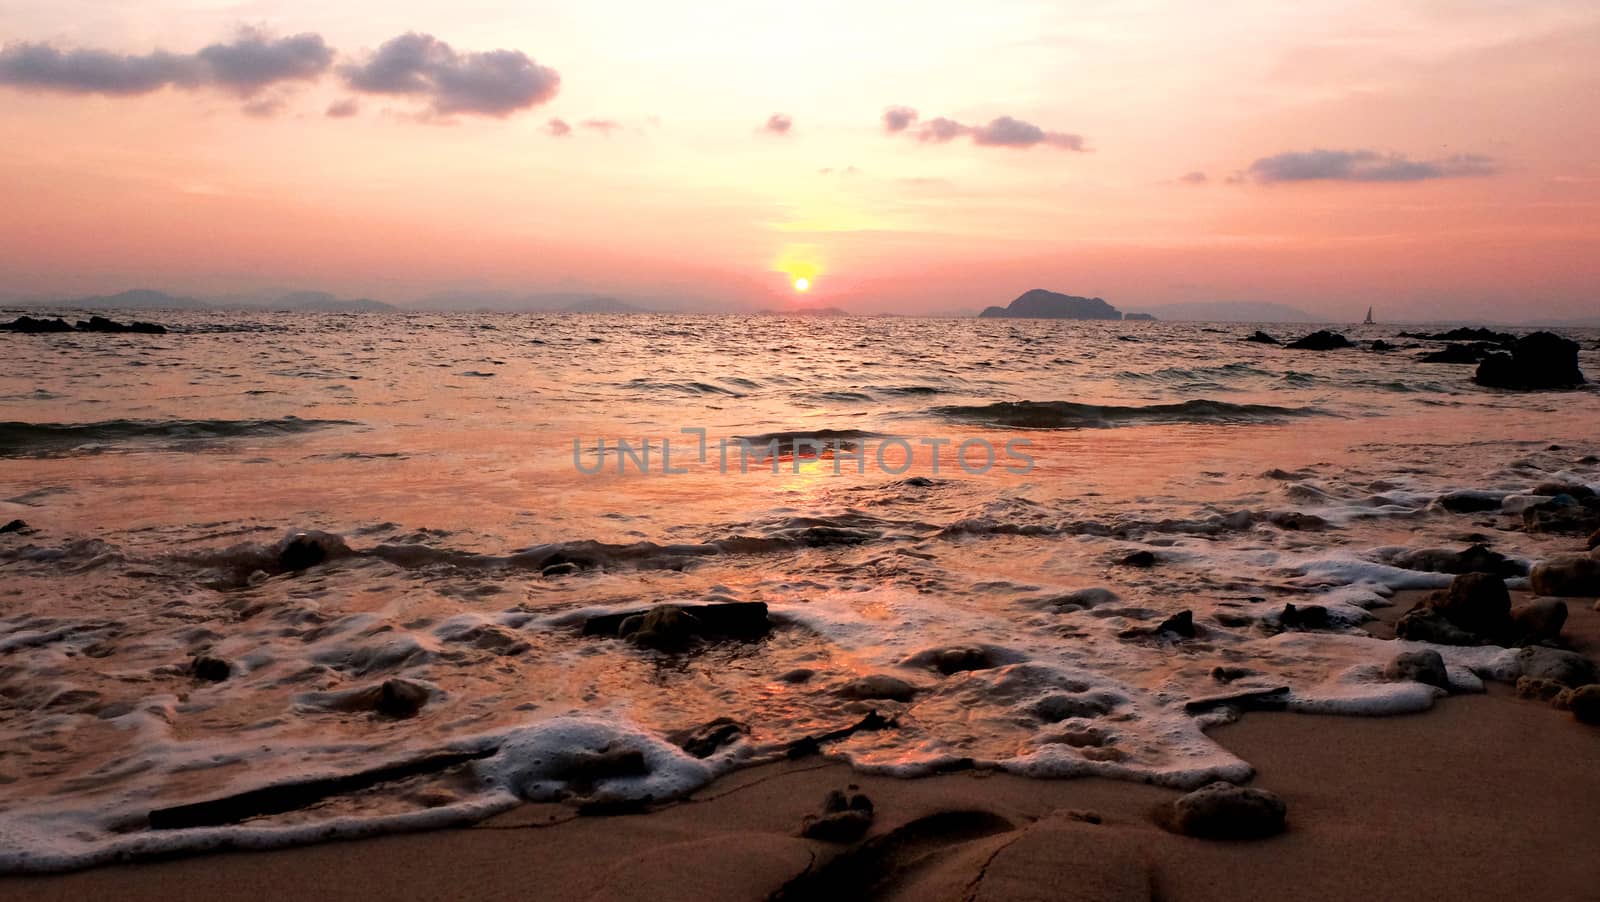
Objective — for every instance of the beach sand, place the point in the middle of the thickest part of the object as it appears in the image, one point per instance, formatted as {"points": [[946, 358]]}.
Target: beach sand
{"points": [[1483, 797]]}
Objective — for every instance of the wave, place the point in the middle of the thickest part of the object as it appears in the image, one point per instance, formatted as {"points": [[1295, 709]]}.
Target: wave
{"points": [[1070, 415], [18, 439]]}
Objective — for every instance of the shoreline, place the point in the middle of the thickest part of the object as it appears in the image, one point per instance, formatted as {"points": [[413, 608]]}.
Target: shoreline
{"points": [[1482, 796]]}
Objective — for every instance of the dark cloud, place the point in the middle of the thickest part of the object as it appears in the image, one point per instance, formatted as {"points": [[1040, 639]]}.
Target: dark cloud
{"points": [[493, 83], [252, 62], [1008, 132], [1365, 166], [603, 126], [1004, 131], [1193, 178], [898, 118], [558, 128], [941, 130], [779, 124], [344, 109], [264, 107]]}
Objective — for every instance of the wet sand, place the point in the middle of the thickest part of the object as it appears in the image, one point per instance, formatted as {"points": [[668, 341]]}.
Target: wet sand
{"points": [[1483, 797]]}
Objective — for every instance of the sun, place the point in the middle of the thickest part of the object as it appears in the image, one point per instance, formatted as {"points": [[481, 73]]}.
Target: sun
{"points": [[802, 284]]}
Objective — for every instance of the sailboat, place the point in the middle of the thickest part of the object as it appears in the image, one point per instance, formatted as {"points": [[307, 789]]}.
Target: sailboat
{"points": [[1368, 320]]}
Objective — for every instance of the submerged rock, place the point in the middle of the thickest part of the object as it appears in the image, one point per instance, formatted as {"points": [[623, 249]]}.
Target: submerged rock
{"points": [[1470, 502], [400, 698], [878, 686], [209, 669], [1225, 811], [1426, 666], [304, 550], [1180, 624], [1322, 340], [1139, 559], [1262, 338], [1542, 360], [956, 659], [664, 627], [1458, 354], [31, 326], [1571, 575], [1475, 559], [671, 627], [14, 526], [708, 738], [1304, 617], [1565, 515]]}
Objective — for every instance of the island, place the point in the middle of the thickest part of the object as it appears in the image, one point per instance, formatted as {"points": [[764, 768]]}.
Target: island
{"points": [[1042, 304]]}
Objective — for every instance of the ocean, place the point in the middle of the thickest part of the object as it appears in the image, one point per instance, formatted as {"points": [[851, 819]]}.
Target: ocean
{"points": [[411, 542]]}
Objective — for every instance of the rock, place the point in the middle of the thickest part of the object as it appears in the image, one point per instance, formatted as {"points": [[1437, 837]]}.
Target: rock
{"points": [[400, 698], [565, 568], [845, 818], [1060, 706], [1424, 624], [797, 675], [1139, 559], [33, 326], [1594, 537], [1275, 698], [1229, 674], [212, 670], [1470, 502], [1322, 340], [665, 628], [1262, 338], [1458, 354], [1583, 702], [1542, 360], [586, 767], [878, 686], [1565, 667], [1476, 602], [1537, 621], [1465, 334], [1425, 666], [308, 549], [1041, 304], [1570, 575], [1539, 689], [1181, 624], [1296, 521], [1224, 811], [705, 740], [1381, 345], [1570, 489], [1306, 617], [1568, 516], [101, 324], [1475, 559], [14, 526], [954, 660]]}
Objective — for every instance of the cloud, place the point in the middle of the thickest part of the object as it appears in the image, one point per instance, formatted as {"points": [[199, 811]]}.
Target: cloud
{"points": [[898, 118], [1193, 178], [251, 63], [492, 83], [264, 107], [1002, 131], [344, 109], [558, 128], [1365, 166], [603, 126], [1008, 132], [779, 124]]}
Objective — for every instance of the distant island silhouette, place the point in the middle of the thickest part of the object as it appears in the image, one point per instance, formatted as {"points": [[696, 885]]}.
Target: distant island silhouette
{"points": [[1042, 304]]}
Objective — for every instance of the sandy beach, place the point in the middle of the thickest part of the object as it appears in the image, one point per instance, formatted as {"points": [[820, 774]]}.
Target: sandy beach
{"points": [[1483, 797]]}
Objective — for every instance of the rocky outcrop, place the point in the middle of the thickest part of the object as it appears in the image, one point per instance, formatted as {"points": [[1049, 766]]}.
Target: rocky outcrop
{"points": [[32, 326], [1538, 621], [878, 686], [1322, 340], [1565, 667], [1474, 559], [1224, 811], [674, 628], [1475, 610], [1425, 666], [1566, 515], [1542, 360], [1262, 338]]}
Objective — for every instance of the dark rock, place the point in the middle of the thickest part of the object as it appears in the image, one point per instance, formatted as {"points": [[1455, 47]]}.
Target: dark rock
{"points": [[1476, 602], [1424, 624], [878, 686], [212, 670], [1571, 489], [1565, 667], [101, 324], [1322, 340], [1262, 338], [705, 740], [1274, 699], [1466, 334], [1181, 624], [1304, 617], [301, 552], [1139, 559], [1583, 702], [1565, 516], [1458, 354], [1475, 559], [400, 698], [1224, 811], [664, 628], [954, 660], [14, 526], [1570, 575], [1229, 674], [1041, 304], [797, 675], [33, 326], [1537, 621], [1419, 667], [565, 568], [1594, 537], [1470, 502], [1295, 521], [844, 818], [1381, 345], [1542, 360], [586, 767], [672, 631], [1061, 706]]}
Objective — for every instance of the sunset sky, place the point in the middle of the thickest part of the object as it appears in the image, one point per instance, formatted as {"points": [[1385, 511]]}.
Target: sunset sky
{"points": [[1436, 158]]}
